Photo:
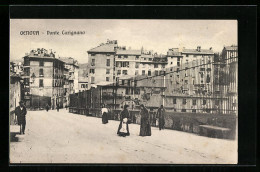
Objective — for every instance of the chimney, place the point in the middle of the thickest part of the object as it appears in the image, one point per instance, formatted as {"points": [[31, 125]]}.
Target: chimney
{"points": [[210, 48], [198, 48]]}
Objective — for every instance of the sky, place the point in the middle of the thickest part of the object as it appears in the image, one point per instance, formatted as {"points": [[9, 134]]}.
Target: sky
{"points": [[156, 35]]}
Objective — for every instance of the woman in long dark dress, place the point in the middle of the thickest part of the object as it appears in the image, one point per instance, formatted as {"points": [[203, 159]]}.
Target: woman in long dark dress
{"points": [[145, 127], [104, 112], [123, 129]]}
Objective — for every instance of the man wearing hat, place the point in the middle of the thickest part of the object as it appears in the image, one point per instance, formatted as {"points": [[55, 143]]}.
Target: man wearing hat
{"points": [[21, 112]]}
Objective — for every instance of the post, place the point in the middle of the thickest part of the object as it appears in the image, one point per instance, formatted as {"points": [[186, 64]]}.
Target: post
{"points": [[163, 87]]}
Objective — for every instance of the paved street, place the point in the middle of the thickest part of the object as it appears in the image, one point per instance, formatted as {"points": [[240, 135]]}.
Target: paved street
{"points": [[62, 137]]}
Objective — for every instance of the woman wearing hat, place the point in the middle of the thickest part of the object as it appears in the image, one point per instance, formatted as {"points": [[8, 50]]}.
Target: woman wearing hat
{"points": [[145, 127], [123, 129]]}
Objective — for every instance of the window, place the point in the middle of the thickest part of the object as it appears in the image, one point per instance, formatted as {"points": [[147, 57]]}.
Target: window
{"points": [[41, 63], [194, 102], [123, 82], [41, 83], [125, 56], [156, 73], [184, 101], [202, 69], [204, 101], [26, 71], [174, 101], [41, 72], [92, 71], [171, 62], [143, 72], [144, 58], [117, 80], [128, 82], [93, 62], [135, 84], [26, 81], [82, 85], [149, 73], [136, 65], [93, 54], [136, 57], [125, 72], [136, 72], [155, 65], [137, 91], [107, 78], [118, 72], [194, 110], [108, 71], [150, 59], [92, 79], [186, 82], [183, 110], [171, 69], [187, 55], [108, 62], [119, 57], [125, 64], [216, 102]]}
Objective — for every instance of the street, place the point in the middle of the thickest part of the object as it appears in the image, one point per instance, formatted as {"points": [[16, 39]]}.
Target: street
{"points": [[62, 137]]}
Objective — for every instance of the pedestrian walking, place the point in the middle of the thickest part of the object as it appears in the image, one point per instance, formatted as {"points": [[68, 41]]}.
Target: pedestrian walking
{"points": [[58, 108], [145, 127], [161, 115], [123, 129], [104, 112], [21, 112], [47, 107]]}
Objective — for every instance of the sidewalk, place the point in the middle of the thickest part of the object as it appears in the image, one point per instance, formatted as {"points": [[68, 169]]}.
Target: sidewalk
{"points": [[14, 129]]}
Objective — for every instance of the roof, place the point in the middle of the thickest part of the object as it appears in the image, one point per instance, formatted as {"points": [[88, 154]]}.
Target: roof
{"points": [[42, 57], [194, 51], [129, 52], [230, 48], [67, 60], [106, 48]]}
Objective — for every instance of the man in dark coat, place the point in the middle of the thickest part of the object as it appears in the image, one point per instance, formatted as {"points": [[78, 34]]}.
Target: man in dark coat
{"points": [[21, 112], [58, 108], [160, 114]]}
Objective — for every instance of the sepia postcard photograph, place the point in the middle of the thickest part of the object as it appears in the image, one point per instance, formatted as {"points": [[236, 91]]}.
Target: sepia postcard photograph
{"points": [[123, 91]]}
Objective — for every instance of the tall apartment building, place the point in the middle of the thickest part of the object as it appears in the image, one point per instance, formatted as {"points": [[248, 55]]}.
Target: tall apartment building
{"points": [[83, 77], [101, 61], [43, 79], [230, 69], [72, 66], [109, 63]]}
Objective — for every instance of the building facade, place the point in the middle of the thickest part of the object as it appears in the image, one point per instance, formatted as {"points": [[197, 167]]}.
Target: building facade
{"points": [[101, 61], [15, 93], [43, 79]]}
